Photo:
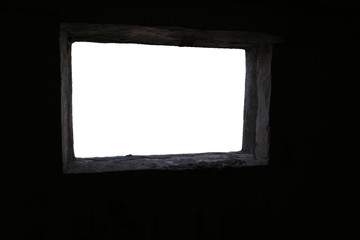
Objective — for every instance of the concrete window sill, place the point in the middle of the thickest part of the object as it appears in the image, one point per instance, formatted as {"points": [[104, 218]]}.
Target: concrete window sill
{"points": [[163, 162]]}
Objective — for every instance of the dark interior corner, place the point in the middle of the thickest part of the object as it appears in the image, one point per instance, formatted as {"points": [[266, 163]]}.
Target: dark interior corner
{"points": [[309, 189]]}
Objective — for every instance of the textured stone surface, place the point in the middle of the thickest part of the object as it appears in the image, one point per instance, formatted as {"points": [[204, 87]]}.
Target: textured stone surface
{"points": [[175, 36], [161, 162]]}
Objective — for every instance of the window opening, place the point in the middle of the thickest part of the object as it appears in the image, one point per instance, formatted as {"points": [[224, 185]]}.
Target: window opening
{"points": [[144, 99], [160, 97]]}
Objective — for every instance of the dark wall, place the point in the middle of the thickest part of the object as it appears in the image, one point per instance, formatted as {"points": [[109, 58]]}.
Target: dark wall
{"points": [[309, 188]]}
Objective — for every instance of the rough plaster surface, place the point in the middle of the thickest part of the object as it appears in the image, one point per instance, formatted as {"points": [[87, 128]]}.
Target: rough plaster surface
{"points": [[161, 162], [164, 35], [262, 137]]}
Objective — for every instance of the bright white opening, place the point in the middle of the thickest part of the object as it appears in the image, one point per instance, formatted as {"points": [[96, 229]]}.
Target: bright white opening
{"points": [[145, 100]]}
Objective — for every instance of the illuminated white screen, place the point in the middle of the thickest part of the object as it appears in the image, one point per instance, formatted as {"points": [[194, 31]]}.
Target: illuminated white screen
{"points": [[148, 100]]}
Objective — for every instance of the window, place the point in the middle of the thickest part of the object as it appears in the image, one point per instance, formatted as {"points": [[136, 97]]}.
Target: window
{"points": [[152, 99], [187, 107]]}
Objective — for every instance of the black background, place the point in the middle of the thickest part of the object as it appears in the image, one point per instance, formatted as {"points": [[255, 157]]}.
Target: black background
{"points": [[308, 190]]}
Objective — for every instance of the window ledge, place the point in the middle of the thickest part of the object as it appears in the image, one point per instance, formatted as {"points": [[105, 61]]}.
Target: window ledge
{"points": [[164, 162]]}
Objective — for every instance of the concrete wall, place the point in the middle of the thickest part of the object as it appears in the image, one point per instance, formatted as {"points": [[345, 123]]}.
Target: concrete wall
{"points": [[303, 192]]}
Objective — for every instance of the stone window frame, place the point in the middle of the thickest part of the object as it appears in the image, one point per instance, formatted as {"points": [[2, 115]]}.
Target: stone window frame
{"points": [[258, 52]]}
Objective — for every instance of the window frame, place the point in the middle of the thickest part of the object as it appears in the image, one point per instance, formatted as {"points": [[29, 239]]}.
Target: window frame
{"points": [[258, 52]]}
